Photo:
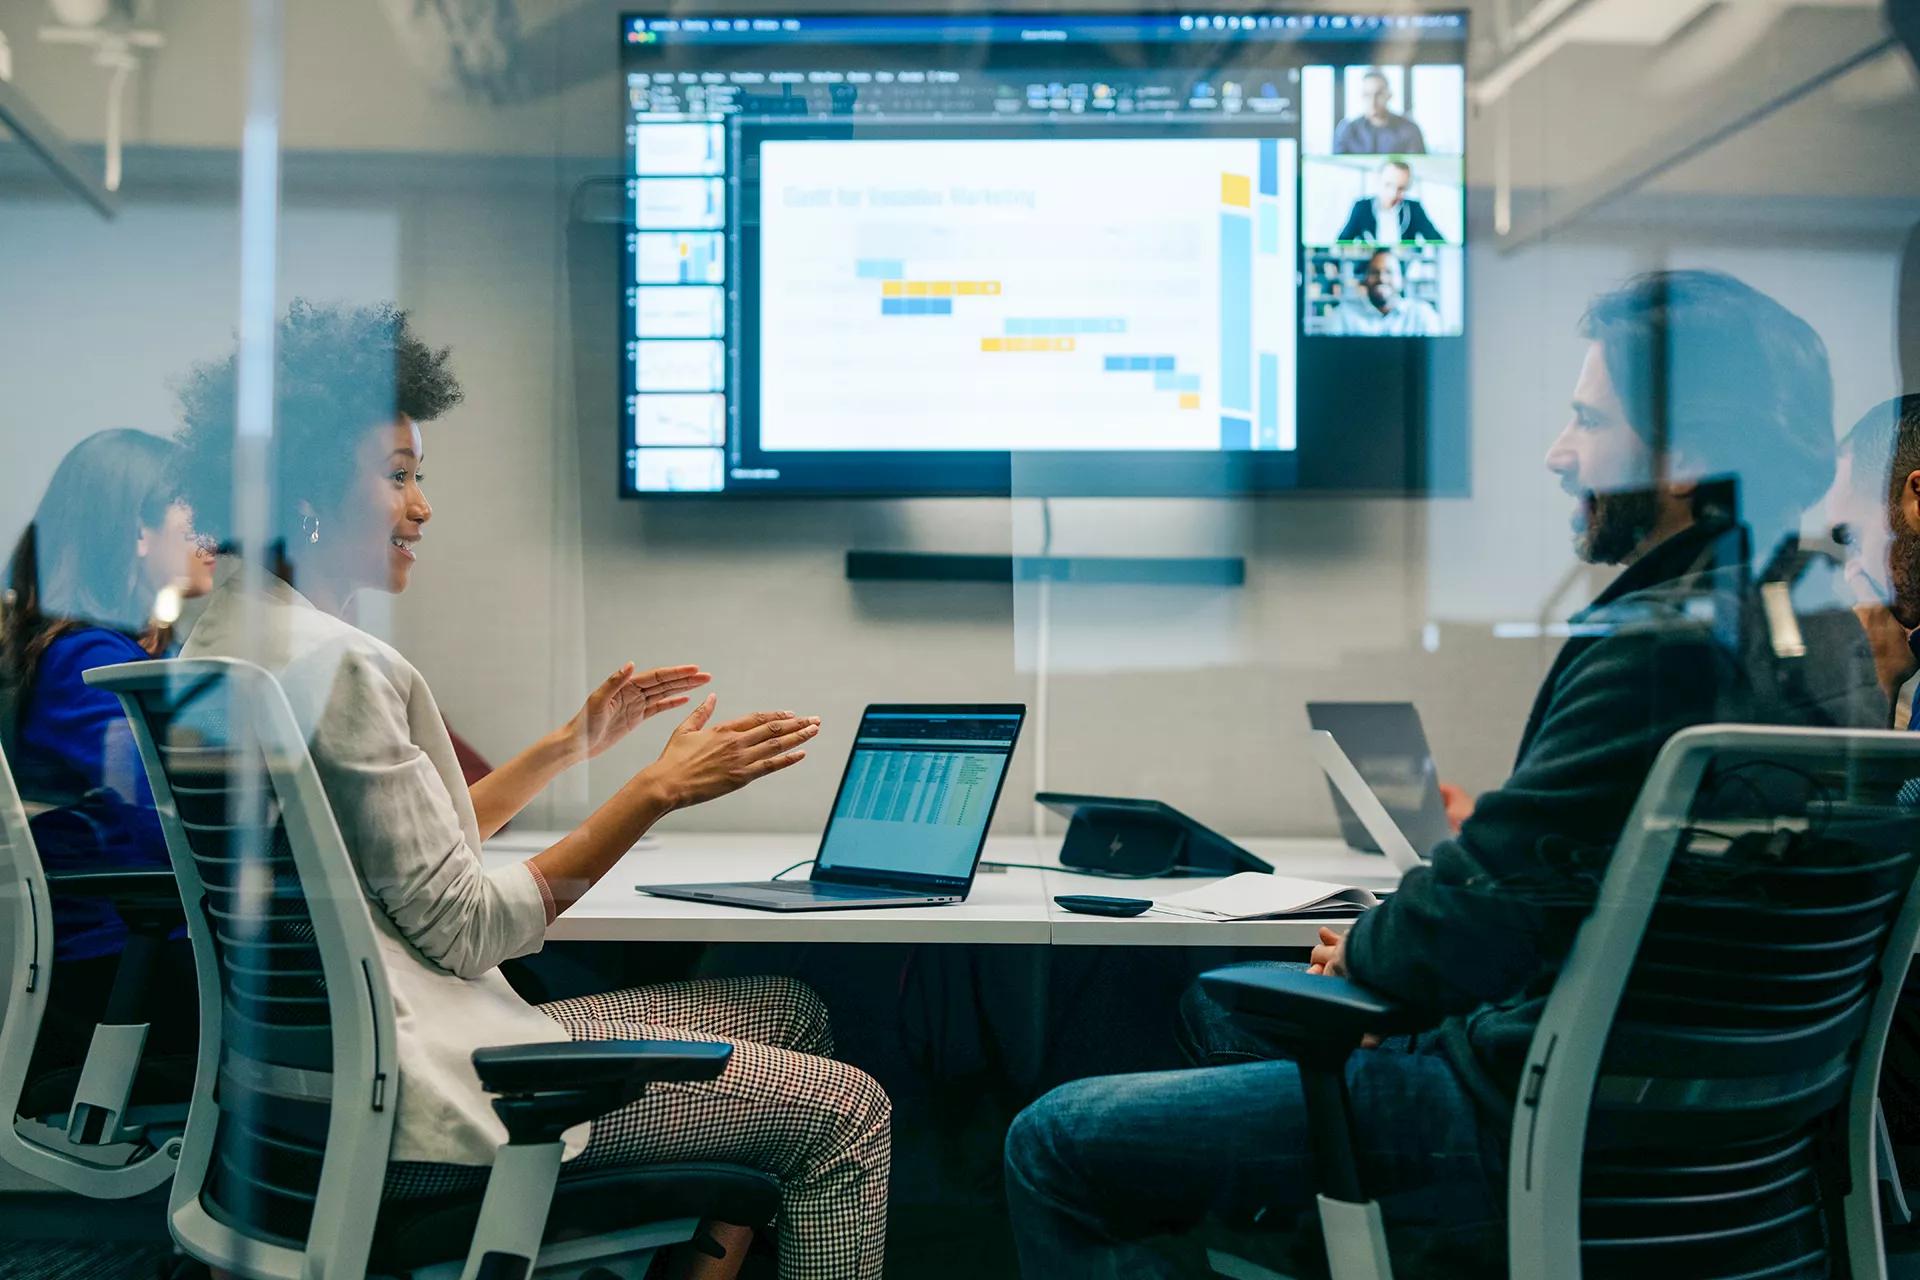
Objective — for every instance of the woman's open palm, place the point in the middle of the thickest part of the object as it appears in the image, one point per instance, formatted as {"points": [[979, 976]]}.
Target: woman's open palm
{"points": [[627, 697]]}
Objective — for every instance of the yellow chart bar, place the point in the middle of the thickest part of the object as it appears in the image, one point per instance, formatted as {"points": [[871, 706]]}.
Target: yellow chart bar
{"points": [[892, 288], [1027, 344], [1189, 400], [1236, 189]]}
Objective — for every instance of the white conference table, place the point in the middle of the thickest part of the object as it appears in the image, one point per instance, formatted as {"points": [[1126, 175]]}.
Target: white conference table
{"points": [[1013, 906]]}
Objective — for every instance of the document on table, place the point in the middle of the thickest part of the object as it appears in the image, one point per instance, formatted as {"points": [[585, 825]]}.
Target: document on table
{"points": [[1256, 895]]}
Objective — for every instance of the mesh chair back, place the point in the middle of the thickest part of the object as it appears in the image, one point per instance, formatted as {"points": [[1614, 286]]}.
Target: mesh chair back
{"points": [[26, 905], [1773, 890], [293, 996], [23, 897]]}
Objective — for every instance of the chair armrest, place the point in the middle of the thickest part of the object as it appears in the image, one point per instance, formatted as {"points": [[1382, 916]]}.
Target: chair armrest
{"points": [[1310, 1015], [546, 1089], [133, 886], [146, 898], [586, 1064]]}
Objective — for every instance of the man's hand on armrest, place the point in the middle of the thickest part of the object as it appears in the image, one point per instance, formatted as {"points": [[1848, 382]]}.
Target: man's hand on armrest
{"points": [[1308, 1013], [1330, 957]]}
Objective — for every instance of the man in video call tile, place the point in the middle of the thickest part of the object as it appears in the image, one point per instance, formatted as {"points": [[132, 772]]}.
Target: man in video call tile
{"points": [[1390, 215], [1377, 309], [1378, 130]]}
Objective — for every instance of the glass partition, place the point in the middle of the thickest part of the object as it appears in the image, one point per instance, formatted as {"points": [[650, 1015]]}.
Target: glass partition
{"points": [[1350, 441]]}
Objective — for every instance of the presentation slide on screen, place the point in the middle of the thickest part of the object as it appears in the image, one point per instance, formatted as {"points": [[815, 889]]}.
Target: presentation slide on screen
{"points": [[1027, 294], [917, 811]]}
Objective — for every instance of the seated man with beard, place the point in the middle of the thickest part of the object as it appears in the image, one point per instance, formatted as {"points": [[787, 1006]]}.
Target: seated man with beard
{"points": [[1701, 428]]}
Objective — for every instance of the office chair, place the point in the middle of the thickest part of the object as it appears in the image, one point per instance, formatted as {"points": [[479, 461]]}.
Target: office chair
{"points": [[288, 1140], [1698, 1098], [84, 1130]]}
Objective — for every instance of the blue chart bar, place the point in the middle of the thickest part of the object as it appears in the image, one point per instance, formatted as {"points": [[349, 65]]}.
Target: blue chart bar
{"points": [[1269, 167], [1141, 364], [1167, 380], [1033, 326], [1236, 312], [1269, 401], [880, 269], [916, 306], [1269, 227], [1235, 433]]}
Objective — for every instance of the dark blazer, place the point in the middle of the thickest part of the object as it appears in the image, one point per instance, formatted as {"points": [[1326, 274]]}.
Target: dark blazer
{"points": [[1475, 937], [70, 745], [1414, 223]]}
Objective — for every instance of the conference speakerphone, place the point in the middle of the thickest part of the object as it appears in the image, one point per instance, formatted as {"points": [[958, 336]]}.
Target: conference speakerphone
{"points": [[1131, 838], [1065, 253]]}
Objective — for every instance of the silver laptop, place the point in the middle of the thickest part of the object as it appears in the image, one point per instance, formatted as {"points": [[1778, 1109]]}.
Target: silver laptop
{"points": [[910, 818], [1382, 776]]}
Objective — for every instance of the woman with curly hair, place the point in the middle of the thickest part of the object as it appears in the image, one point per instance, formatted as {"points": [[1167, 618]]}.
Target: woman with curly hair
{"points": [[348, 512]]}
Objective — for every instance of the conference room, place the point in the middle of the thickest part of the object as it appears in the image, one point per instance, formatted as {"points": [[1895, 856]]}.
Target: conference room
{"points": [[959, 640]]}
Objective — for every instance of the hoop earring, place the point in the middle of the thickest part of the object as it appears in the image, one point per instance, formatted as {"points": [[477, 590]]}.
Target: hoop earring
{"points": [[310, 525]]}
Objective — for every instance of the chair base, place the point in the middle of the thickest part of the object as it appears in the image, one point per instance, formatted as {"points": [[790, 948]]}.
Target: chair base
{"points": [[1356, 1240], [1234, 1267], [625, 1254], [115, 1171]]}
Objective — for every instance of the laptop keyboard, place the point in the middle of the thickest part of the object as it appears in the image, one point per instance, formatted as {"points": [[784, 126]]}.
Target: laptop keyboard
{"points": [[814, 889]]}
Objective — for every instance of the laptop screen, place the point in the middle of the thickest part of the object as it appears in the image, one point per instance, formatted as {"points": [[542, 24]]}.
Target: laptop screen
{"points": [[1388, 748], [918, 792]]}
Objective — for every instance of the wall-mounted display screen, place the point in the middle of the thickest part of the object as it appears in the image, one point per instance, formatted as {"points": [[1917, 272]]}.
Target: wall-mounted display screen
{"points": [[1095, 254]]}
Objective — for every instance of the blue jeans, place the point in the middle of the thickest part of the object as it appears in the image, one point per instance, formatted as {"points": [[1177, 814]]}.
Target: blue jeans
{"points": [[1099, 1168]]}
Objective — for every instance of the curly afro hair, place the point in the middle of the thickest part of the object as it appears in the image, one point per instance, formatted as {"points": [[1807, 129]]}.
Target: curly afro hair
{"points": [[339, 371]]}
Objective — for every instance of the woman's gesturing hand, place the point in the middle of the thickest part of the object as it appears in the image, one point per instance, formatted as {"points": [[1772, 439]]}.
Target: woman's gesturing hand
{"points": [[623, 700], [703, 762]]}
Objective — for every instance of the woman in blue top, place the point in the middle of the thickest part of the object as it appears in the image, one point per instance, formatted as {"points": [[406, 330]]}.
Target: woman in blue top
{"points": [[97, 578]]}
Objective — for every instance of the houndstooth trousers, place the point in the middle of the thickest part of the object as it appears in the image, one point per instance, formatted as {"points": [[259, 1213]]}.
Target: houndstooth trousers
{"points": [[783, 1105]]}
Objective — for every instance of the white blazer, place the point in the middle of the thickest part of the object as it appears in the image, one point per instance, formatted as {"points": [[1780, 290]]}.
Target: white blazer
{"points": [[444, 922]]}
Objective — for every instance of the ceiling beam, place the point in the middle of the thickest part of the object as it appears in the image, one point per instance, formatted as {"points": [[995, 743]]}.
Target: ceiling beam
{"points": [[1751, 100], [34, 130]]}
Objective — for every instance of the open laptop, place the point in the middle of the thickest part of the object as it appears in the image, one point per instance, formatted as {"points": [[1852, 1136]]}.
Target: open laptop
{"points": [[910, 818], [1382, 776]]}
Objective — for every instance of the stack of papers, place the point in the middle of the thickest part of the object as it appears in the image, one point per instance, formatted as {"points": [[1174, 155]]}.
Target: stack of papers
{"points": [[1256, 895]]}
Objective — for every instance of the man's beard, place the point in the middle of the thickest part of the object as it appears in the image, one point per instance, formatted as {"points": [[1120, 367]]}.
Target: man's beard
{"points": [[1903, 573], [1617, 523]]}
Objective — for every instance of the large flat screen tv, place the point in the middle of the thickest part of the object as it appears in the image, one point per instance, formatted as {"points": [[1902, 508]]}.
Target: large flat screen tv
{"points": [[1155, 254]]}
